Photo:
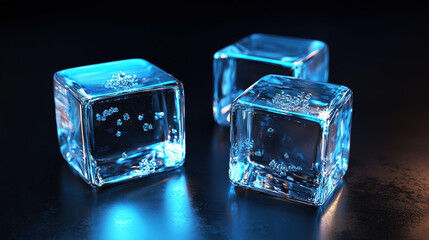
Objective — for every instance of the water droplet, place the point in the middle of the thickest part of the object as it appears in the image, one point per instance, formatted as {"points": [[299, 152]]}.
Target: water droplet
{"points": [[270, 130], [174, 131], [118, 133], [124, 155], [140, 117]]}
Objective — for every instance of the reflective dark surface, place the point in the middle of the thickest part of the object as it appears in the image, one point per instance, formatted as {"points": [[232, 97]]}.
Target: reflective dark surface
{"points": [[380, 55]]}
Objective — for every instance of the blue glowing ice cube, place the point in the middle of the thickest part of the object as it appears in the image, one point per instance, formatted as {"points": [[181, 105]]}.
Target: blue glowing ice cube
{"points": [[101, 129], [291, 138], [241, 64]]}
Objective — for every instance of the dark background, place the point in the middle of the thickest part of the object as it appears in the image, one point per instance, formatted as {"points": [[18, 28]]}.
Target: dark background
{"points": [[381, 54]]}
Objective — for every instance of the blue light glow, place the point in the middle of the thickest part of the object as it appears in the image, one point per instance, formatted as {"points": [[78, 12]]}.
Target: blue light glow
{"points": [[181, 220], [125, 221]]}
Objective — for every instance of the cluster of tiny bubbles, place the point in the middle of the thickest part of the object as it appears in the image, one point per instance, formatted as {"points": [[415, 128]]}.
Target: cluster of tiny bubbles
{"points": [[147, 167], [140, 117], [106, 113], [258, 153], [292, 103], [159, 115], [247, 146], [234, 148], [126, 116], [234, 151], [119, 122], [174, 131], [121, 81], [147, 127], [280, 169], [118, 133]]}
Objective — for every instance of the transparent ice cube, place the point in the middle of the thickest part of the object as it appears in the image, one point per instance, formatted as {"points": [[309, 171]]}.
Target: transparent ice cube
{"points": [[101, 130], [241, 64], [291, 138]]}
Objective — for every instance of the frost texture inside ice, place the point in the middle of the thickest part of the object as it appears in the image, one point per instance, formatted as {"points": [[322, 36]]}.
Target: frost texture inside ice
{"points": [[291, 138], [241, 64], [112, 129]]}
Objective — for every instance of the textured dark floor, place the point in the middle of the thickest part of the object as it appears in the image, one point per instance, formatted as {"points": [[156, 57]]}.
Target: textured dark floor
{"points": [[380, 55]]}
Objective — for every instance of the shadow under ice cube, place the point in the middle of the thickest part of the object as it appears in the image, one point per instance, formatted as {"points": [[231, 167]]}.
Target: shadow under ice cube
{"points": [[119, 120], [291, 138], [241, 64]]}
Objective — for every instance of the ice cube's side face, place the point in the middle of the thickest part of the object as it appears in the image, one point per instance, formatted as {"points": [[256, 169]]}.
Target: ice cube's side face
{"points": [[119, 120], [338, 137], [139, 134], [284, 145], [238, 66], [68, 114], [274, 153], [291, 138]]}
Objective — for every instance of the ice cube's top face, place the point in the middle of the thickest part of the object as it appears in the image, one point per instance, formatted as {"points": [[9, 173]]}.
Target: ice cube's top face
{"points": [[287, 95], [113, 78], [285, 49]]}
